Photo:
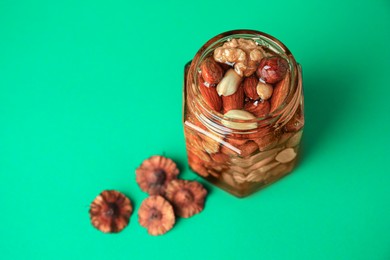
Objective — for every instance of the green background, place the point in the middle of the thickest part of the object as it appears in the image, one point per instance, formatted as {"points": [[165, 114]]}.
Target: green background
{"points": [[88, 89]]}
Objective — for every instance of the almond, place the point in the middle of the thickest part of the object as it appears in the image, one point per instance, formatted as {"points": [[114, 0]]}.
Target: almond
{"points": [[285, 156], [220, 158], [280, 93], [229, 83], [248, 148], [264, 90], [196, 164], [235, 101], [210, 96], [239, 115], [258, 108], [210, 145], [212, 72], [249, 86]]}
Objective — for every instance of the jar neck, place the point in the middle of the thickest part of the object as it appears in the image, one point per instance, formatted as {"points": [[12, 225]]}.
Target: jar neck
{"points": [[212, 119]]}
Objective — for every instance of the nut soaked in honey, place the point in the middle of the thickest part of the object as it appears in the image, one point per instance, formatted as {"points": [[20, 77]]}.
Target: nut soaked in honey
{"points": [[243, 111]]}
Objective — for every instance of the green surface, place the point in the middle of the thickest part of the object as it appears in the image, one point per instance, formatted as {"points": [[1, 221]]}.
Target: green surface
{"points": [[88, 89]]}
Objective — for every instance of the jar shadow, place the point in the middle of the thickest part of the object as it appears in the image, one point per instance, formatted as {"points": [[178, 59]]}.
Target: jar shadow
{"points": [[326, 97]]}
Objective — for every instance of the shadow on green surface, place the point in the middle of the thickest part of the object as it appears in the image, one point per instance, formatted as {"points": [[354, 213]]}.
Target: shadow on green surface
{"points": [[327, 95]]}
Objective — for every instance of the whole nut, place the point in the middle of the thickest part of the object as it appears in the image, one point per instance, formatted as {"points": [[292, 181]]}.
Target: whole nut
{"points": [[234, 101], [258, 108], [280, 93], [229, 83], [240, 115], [264, 90], [211, 71], [285, 156], [272, 69], [210, 95], [249, 86]]}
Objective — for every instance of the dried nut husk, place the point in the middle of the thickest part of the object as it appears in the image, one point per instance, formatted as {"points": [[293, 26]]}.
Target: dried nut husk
{"points": [[229, 83], [264, 90], [187, 197], [294, 140], [156, 215], [239, 115], [285, 156], [154, 174], [110, 211]]}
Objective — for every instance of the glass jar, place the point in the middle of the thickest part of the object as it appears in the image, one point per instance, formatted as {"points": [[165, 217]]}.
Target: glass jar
{"points": [[243, 111]]}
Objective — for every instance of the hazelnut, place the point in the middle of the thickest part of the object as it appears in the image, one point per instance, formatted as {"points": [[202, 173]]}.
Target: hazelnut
{"points": [[155, 173], [156, 215], [272, 69], [187, 197], [110, 211]]}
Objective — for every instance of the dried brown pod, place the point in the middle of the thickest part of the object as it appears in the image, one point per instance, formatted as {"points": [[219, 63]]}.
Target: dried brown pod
{"points": [[156, 215], [187, 197], [110, 211], [155, 173]]}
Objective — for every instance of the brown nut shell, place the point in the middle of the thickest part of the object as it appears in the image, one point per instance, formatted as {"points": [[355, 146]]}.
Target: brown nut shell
{"points": [[156, 215], [110, 211], [187, 197], [155, 173]]}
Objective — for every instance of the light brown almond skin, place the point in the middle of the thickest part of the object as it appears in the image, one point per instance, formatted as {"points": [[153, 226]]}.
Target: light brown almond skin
{"points": [[249, 86], [235, 101], [211, 71], [280, 92], [210, 96], [258, 108]]}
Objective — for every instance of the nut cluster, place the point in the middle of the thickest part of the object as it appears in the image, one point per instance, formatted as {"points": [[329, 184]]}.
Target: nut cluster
{"points": [[169, 196], [243, 76]]}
